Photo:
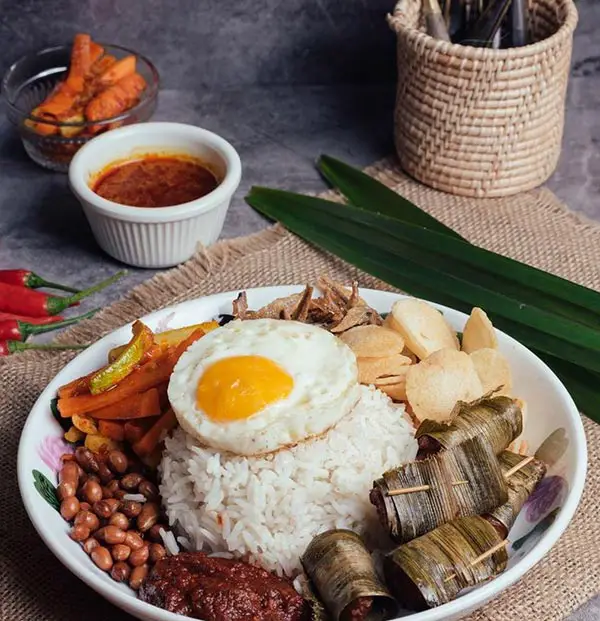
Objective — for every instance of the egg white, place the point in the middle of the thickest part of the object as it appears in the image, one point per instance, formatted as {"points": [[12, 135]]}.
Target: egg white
{"points": [[324, 373]]}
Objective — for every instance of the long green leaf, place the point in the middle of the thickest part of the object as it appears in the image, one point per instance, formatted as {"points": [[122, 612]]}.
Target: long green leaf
{"points": [[368, 193], [409, 276]]}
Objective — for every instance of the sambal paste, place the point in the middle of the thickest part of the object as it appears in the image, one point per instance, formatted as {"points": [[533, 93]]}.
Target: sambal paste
{"points": [[155, 181]]}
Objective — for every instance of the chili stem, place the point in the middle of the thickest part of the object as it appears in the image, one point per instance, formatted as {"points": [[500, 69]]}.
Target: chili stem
{"points": [[11, 347], [55, 304], [28, 329], [34, 281]]}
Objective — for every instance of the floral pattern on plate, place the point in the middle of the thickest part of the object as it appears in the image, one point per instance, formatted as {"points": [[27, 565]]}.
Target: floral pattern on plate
{"points": [[52, 449]]}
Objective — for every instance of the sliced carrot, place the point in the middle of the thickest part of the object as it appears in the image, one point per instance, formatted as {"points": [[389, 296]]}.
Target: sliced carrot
{"points": [[44, 129], [112, 429], [141, 380], [80, 62], [163, 397], [136, 429], [153, 460], [116, 98], [102, 65], [96, 52], [139, 405], [119, 70], [156, 434], [76, 387], [60, 101], [150, 375]]}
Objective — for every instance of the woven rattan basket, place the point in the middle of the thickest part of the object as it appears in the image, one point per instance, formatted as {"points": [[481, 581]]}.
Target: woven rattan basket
{"points": [[482, 122]]}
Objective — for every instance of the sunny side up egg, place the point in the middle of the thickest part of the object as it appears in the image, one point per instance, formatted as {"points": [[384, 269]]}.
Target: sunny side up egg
{"points": [[253, 387]]}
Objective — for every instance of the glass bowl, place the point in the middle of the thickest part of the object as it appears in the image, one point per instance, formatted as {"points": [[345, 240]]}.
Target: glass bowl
{"points": [[30, 80]]}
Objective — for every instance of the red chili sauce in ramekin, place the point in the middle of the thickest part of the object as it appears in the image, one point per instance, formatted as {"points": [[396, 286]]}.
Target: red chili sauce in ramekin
{"points": [[155, 181]]}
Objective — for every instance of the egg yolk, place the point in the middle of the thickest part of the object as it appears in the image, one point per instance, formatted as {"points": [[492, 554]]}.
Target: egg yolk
{"points": [[238, 387]]}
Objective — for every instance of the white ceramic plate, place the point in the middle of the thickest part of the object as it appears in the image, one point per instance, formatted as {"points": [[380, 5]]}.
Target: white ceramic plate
{"points": [[551, 411]]}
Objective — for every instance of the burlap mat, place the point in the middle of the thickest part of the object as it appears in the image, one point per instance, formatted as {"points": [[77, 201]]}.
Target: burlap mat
{"points": [[533, 227]]}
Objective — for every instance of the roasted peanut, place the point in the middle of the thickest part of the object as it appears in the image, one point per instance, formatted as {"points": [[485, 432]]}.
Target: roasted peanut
{"points": [[120, 520], [120, 552], [131, 508], [86, 459], [105, 508], [69, 473], [111, 535], [90, 544], [107, 493], [69, 507], [91, 491], [137, 576], [154, 533], [133, 540], [79, 532], [120, 494], [131, 481], [87, 519], [117, 462], [149, 490], [85, 506], [101, 556], [68, 480], [80, 470], [120, 572], [64, 491], [148, 516], [157, 552], [104, 473], [139, 557], [113, 486]]}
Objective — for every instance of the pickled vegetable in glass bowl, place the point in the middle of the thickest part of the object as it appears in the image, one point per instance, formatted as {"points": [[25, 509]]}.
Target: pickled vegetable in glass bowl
{"points": [[58, 105]]}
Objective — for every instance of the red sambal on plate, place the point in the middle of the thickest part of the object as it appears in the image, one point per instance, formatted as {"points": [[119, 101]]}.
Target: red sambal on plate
{"points": [[218, 589]]}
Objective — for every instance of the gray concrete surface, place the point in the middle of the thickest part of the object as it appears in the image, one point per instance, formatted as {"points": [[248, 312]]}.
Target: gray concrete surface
{"points": [[282, 80]]}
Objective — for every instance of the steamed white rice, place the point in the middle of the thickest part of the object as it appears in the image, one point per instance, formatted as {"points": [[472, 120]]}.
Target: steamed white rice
{"points": [[268, 509]]}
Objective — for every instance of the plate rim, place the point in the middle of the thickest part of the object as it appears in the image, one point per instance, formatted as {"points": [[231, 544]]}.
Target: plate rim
{"points": [[463, 605]]}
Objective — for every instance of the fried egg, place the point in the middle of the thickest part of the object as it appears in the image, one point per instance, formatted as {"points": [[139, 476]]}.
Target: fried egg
{"points": [[253, 387]]}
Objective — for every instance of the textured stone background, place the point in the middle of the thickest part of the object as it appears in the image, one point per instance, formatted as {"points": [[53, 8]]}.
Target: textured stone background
{"points": [[283, 80]]}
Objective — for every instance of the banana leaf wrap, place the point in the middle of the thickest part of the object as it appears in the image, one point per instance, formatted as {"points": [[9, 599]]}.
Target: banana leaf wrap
{"points": [[462, 482], [318, 612], [520, 486], [498, 419], [433, 569], [341, 569], [475, 462]]}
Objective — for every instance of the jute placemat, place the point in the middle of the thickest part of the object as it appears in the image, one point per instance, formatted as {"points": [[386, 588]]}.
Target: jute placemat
{"points": [[534, 227]]}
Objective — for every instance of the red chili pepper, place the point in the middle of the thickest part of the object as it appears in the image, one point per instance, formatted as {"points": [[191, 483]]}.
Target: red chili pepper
{"points": [[22, 301], [14, 330], [25, 278], [38, 321], [10, 347]]}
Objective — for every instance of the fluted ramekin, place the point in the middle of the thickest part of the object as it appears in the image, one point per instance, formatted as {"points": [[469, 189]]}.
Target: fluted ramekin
{"points": [[155, 237]]}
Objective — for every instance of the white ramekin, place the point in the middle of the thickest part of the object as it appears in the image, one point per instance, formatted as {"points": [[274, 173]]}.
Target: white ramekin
{"points": [[155, 237]]}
